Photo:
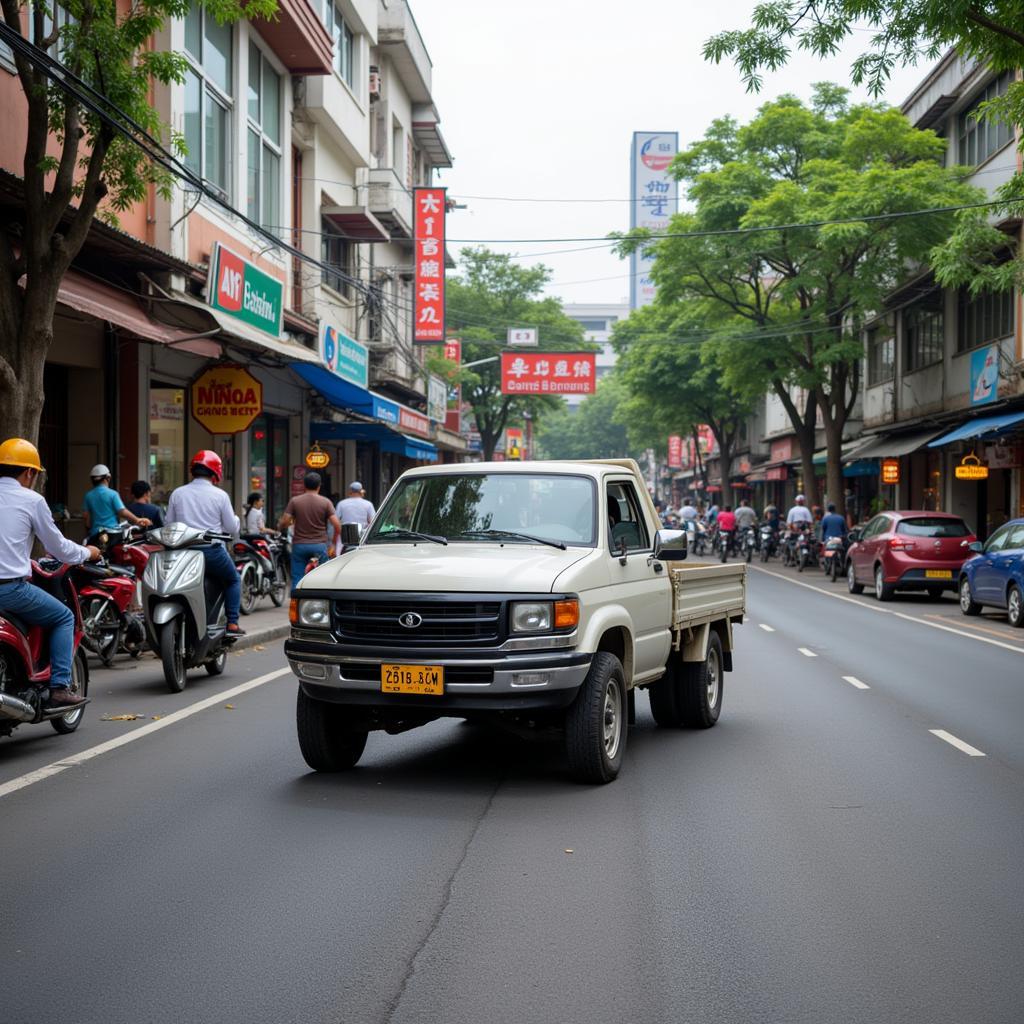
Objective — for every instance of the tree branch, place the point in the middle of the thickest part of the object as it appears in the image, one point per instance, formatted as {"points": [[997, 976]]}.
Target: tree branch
{"points": [[973, 14]]}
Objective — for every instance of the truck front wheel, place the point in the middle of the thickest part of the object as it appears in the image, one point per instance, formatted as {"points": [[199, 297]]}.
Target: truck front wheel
{"points": [[700, 687], [595, 724], [326, 744]]}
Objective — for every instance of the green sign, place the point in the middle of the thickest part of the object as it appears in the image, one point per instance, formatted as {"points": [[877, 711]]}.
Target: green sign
{"points": [[240, 289]]}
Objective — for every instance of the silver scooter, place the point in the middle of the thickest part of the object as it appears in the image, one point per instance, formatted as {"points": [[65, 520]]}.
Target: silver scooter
{"points": [[185, 617]]}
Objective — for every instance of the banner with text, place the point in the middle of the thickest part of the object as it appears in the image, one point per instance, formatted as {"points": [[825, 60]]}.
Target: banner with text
{"points": [[453, 420], [429, 204], [654, 196], [548, 373], [239, 288], [675, 452]]}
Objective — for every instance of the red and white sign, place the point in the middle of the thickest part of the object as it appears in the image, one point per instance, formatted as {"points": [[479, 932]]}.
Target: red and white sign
{"points": [[412, 421], [548, 373], [453, 350], [429, 204], [453, 420], [675, 452]]}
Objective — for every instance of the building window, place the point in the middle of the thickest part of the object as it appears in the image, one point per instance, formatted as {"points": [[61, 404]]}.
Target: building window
{"points": [[987, 316], [979, 137], [209, 99], [592, 325], [166, 465], [344, 43], [923, 332], [336, 255], [263, 174], [881, 354]]}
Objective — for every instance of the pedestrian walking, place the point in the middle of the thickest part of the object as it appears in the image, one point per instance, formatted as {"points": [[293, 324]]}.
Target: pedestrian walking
{"points": [[312, 517], [355, 508]]}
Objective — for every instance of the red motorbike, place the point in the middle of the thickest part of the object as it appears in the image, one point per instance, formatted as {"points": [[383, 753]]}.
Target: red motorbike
{"points": [[24, 656], [261, 570]]}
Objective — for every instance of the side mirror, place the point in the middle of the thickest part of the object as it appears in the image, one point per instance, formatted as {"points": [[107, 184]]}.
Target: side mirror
{"points": [[854, 535], [670, 545], [976, 546], [350, 534]]}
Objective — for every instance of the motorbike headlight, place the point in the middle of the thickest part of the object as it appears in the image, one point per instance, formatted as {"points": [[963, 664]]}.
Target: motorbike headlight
{"points": [[531, 617], [314, 612]]}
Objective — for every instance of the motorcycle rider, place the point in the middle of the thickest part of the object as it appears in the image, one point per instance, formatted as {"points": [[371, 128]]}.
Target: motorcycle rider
{"points": [[24, 513], [799, 513], [687, 511], [103, 507], [203, 506], [833, 525], [727, 528]]}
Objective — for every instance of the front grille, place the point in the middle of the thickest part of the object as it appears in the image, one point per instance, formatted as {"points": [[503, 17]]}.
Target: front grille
{"points": [[452, 674], [372, 621]]}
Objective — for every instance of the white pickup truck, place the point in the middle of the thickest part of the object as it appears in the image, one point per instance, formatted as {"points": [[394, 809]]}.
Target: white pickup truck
{"points": [[543, 592]]}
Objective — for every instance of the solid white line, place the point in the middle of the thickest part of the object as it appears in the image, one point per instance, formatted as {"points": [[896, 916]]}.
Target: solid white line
{"points": [[959, 744], [806, 652], [766, 627], [854, 681], [890, 611], [147, 730]]}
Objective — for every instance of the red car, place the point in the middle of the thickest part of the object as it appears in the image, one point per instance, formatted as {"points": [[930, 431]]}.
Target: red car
{"points": [[908, 551]]}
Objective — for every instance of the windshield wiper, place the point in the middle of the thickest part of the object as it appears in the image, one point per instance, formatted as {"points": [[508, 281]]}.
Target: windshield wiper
{"points": [[513, 533], [402, 532]]}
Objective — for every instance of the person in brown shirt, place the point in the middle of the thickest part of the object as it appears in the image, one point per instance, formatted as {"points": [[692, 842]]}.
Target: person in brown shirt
{"points": [[311, 514]]}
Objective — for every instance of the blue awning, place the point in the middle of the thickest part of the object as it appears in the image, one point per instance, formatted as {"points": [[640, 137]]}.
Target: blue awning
{"points": [[377, 433], [338, 391], [981, 427]]}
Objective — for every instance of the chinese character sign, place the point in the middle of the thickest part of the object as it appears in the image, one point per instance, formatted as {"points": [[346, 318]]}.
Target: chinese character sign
{"points": [[654, 194], [675, 452], [548, 373], [523, 336], [429, 298]]}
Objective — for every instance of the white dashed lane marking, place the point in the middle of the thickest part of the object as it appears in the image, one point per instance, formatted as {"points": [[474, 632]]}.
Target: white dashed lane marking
{"points": [[958, 743], [854, 681], [766, 627], [807, 652]]}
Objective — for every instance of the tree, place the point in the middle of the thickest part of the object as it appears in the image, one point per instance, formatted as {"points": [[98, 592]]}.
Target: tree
{"points": [[77, 165], [784, 303], [491, 294], [591, 432], [674, 384]]}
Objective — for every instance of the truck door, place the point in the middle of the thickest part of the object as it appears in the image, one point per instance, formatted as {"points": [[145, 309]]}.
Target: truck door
{"points": [[645, 592]]}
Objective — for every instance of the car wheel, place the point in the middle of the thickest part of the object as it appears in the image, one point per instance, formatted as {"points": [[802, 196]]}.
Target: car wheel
{"points": [[1015, 606], [883, 590], [327, 745], [851, 581], [595, 724], [967, 603], [701, 687]]}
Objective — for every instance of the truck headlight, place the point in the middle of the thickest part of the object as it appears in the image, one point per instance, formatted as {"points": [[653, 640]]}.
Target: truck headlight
{"points": [[314, 612], [531, 617]]}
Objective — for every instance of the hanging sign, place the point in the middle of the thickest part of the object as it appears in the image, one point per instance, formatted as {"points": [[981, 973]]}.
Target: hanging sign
{"points": [[971, 468], [548, 373], [453, 416], [344, 356], [524, 337], [985, 375], [429, 205], [890, 471], [675, 452], [226, 399], [239, 288], [317, 458], [513, 444]]}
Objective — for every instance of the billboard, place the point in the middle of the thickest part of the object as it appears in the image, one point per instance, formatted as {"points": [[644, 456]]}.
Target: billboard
{"points": [[675, 452], [429, 206], [344, 356], [654, 199], [984, 375], [239, 288], [548, 373]]}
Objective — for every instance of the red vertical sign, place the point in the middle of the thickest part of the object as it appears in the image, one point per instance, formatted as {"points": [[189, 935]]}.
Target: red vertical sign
{"points": [[675, 452], [429, 206], [453, 421]]}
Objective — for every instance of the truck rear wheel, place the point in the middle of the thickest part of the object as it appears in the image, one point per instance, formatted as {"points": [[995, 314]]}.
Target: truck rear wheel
{"points": [[663, 694], [595, 724], [700, 688], [326, 744]]}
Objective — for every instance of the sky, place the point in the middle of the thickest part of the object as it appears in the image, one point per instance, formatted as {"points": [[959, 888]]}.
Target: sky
{"points": [[539, 100]]}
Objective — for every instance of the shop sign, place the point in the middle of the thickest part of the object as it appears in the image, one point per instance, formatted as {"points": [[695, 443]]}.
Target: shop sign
{"points": [[430, 206], [385, 411], [675, 452], [344, 356], [890, 471], [985, 375], [522, 337], [317, 458], [776, 473], [412, 421], [971, 468], [298, 481], [226, 399], [514, 444], [782, 450], [437, 399], [1003, 456], [239, 288], [453, 350], [548, 373]]}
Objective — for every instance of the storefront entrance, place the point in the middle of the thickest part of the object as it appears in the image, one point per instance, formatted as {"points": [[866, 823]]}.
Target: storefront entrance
{"points": [[166, 439], [269, 467]]}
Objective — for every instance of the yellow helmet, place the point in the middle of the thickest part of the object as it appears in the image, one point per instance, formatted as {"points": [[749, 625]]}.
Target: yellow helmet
{"points": [[16, 451]]}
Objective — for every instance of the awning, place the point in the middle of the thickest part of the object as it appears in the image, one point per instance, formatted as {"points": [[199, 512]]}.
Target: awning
{"points": [[984, 426], [356, 223], [426, 130], [892, 446], [849, 450], [388, 439], [298, 37]]}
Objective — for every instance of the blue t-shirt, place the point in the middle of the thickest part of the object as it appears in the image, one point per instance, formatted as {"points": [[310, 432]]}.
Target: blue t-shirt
{"points": [[103, 503], [833, 525], [144, 510]]}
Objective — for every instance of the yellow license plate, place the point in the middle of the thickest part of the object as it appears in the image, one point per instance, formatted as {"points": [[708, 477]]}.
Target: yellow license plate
{"points": [[938, 574], [422, 679]]}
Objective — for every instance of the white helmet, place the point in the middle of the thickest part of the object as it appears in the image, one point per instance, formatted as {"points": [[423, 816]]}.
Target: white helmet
{"points": [[99, 470], [800, 499]]}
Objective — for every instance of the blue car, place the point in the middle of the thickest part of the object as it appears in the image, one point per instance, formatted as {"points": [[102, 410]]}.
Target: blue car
{"points": [[994, 577]]}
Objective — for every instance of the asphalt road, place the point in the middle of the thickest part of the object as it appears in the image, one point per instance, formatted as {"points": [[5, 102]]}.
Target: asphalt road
{"points": [[821, 855]]}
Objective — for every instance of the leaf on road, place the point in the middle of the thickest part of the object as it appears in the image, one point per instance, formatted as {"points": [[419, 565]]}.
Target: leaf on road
{"points": [[119, 718], [229, 707], [156, 718], [258, 647]]}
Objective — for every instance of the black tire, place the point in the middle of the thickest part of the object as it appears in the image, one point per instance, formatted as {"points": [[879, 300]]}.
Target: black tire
{"points": [[851, 580], [802, 561], [172, 654], [700, 687], [835, 568], [967, 603], [326, 744], [1015, 606], [279, 588], [250, 589], [764, 552], [750, 553], [664, 707], [102, 619], [883, 590], [68, 723], [595, 724], [215, 666], [935, 593]]}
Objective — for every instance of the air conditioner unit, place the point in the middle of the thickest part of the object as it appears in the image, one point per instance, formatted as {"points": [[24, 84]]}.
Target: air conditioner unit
{"points": [[374, 84]]}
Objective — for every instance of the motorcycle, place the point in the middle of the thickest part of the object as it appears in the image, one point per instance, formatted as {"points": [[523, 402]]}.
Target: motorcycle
{"points": [[726, 542], [769, 542], [184, 612], [747, 542], [696, 536], [261, 572], [806, 548], [24, 664], [111, 607], [833, 559]]}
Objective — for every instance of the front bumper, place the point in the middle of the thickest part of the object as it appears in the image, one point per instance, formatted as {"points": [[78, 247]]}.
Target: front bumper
{"points": [[480, 682]]}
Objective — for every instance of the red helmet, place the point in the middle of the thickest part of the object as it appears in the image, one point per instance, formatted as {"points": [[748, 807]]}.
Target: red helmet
{"points": [[211, 460]]}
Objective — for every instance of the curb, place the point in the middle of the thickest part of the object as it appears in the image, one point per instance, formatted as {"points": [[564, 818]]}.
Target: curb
{"points": [[261, 636]]}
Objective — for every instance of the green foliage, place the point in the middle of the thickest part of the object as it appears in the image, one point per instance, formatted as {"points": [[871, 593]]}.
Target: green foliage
{"points": [[592, 431]]}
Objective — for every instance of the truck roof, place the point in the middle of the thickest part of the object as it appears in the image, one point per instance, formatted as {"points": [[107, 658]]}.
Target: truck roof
{"points": [[590, 467]]}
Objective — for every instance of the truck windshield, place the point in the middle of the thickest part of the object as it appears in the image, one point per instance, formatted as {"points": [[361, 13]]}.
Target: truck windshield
{"points": [[459, 508]]}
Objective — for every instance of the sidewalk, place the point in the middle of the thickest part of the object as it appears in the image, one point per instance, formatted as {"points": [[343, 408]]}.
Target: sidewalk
{"points": [[265, 624]]}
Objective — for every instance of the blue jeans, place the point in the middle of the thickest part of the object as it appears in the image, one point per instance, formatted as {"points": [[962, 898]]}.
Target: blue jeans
{"points": [[301, 554], [36, 607], [221, 569]]}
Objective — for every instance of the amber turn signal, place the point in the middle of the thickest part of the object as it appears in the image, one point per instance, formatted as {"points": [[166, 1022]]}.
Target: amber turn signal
{"points": [[567, 614], [293, 611]]}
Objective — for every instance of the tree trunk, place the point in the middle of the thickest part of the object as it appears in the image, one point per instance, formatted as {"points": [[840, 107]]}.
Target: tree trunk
{"points": [[835, 490], [21, 383]]}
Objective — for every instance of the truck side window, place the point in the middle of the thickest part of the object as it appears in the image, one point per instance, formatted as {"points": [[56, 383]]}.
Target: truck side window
{"points": [[624, 519]]}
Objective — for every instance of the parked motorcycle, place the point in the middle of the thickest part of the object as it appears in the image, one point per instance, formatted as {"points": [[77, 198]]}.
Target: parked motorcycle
{"points": [[111, 603], [833, 558], [185, 619], [262, 574], [24, 657]]}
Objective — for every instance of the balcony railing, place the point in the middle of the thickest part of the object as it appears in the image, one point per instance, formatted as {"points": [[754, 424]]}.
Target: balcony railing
{"points": [[390, 201]]}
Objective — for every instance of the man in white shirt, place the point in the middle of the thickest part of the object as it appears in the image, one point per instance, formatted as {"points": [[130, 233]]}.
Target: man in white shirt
{"points": [[799, 513], [24, 514], [686, 510], [355, 508], [203, 506]]}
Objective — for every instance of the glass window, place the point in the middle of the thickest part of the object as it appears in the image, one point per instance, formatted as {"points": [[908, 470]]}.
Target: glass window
{"points": [[269, 472], [926, 526], [998, 539], [881, 354], [1016, 539], [985, 317], [625, 521], [193, 121], [467, 507], [877, 525], [263, 177], [217, 161], [592, 325], [252, 177], [924, 332], [217, 52], [336, 255], [166, 440], [344, 42], [980, 137]]}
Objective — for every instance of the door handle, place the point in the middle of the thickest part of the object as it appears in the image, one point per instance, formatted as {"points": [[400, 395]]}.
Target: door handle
{"points": [[658, 567]]}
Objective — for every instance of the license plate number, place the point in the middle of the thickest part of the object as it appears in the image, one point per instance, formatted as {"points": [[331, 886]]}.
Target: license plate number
{"points": [[426, 680], [938, 574]]}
